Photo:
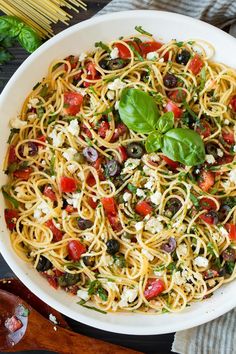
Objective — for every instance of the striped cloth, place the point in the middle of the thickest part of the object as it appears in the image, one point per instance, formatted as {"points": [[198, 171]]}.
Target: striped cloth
{"points": [[218, 336]]}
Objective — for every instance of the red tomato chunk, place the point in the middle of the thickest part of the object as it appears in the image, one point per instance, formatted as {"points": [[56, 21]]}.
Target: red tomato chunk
{"points": [[154, 287]]}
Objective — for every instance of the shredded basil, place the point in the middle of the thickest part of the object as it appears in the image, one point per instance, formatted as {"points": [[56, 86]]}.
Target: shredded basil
{"points": [[102, 45], [8, 197], [13, 131], [83, 302], [142, 31]]}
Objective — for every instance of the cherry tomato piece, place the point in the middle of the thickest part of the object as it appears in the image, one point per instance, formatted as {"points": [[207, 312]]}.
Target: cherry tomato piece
{"points": [[75, 249], [103, 128], [154, 287], [72, 60], [123, 153], [204, 129], [68, 185], [172, 164], [172, 107], [228, 137], [109, 205], [206, 180], [115, 222], [72, 102], [48, 192], [11, 216], [207, 204], [143, 208], [233, 103], [196, 64], [177, 95], [57, 234], [23, 174], [231, 228], [12, 155]]}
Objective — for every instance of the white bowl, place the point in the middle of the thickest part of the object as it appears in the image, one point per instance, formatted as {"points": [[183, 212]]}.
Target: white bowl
{"points": [[77, 39]]}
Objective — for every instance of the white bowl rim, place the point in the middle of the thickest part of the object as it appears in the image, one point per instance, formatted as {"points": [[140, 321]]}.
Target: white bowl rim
{"points": [[10, 257]]}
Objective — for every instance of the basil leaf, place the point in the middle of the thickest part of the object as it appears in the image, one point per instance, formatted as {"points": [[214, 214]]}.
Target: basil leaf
{"points": [[194, 200], [103, 46], [153, 142], [13, 131], [8, 42], [185, 146], [165, 122], [5, 55], [132, 188], [138, 110], [12, 200], [83, 302], [142, 31], [29, 39], [10, 26]]}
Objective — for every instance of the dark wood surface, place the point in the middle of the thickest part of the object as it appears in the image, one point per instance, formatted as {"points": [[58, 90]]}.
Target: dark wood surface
{"points": [[148, 344]]}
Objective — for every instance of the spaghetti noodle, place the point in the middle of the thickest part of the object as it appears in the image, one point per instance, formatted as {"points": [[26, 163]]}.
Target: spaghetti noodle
{"points": [[97, 215]]}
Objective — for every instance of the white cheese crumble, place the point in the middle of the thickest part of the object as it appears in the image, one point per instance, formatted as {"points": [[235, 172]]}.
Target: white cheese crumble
{"points": [[220, 152], [152, 56], [154, 157], [33, 102], [210, 159], [154, 225], [81, 175], [81, 91], [156, 198], [232, 176], [182, 249], [110, 95], [72, 168], [149, 184], [149, 171], [112, 286], [117, 84], [32, 116], [117, 104], [53, 318], [114, 53], [147, 254], [201, 262], [130, 165], [128, 296], [57, 138], [17, 123], [127, 196], [73, 199], [223, 231], [140, 193], [107, 260], [83, 294], [28, 205], [82, 56], [42, 208], [73, 127], [161, 60], [226, 184], [139, 226], [226, 122], [234, 148], [69, 154], [178, 279]]}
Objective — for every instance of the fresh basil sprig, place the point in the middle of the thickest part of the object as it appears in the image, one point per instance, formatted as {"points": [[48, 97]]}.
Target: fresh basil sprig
{"points": [[139, 113]]}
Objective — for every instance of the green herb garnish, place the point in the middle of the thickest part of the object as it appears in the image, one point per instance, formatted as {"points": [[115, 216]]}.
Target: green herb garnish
{"points": [[13, 131], [83, 302], [142, 31], [102, 45], [8, 197]]}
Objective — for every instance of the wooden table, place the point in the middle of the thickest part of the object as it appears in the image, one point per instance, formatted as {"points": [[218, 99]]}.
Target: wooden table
{"points": [[148, 344]]}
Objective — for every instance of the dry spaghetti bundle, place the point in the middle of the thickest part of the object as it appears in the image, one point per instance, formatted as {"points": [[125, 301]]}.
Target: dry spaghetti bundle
{"points": [[41, 14]]}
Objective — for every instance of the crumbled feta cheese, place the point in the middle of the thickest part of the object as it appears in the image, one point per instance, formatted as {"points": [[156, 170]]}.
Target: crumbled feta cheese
{"points": [[154, 157], [158, 273], [128, 296], [83, 294], [154, 225], [130, 165], [127, 196], [32, 116], [80, 90], [149, 256], [140, 193], [37, 214], [33, 101], [73, 127], [150, 182], [156, 198], [43, 162], [149, 171], [201, 261], [17, 123], [42, 208], [53, 318], [110, 95], [58, 138], [68, 154], [112, 286], [178, 279], [64, 214], [226, 122], [234, 148], [82, 56], [223, 231], [161, 60], [28, 205], [232, 176], [107, 260], [19, 192], [139, 226], [226, 184], [73, 199], [210, 159], [220, 152], [114, 53], [152, 55], [72, 168], [117, 84], [117, 104], [197, 171], [81, 175], [182, 249]]}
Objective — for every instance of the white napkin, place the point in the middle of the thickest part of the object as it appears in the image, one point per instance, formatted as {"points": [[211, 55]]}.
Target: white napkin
{"points": [[218, 336]]}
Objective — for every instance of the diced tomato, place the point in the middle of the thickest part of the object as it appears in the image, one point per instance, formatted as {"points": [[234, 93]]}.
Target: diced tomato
{"points": [[143, 208], [48, 192], [196, 64], [207, 204], [90, 180], [68, 185], [172, 164], [52, 280], [172, 107], [72, 102], [120, 130], [103, 128], [57, 234], [13, 324], [109, 205], [233, 103], [85, 130], [231, 228], [228, 137], [177, 95], [204, 129], [98, 166], [12, 155], [123, 153], [93, 204], [148, 47], [73, 62], [75, 250], [124, 52], [154, 287], [115, 222], [93, 74], [208, 218], [70, 209], [11, 216], [225, 160], [57, 272], [41, 139], [23, 174], [206, 180]]}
